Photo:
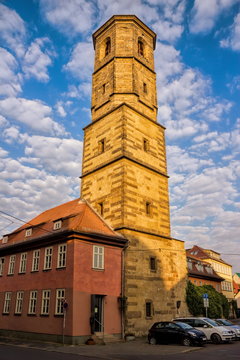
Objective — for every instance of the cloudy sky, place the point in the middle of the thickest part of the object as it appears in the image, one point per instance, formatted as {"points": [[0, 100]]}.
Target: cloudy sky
{"points": [[46, 61]]}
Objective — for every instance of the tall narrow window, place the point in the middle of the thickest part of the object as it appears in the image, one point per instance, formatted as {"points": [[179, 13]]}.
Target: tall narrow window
{"points": [[101, 208], [103, 89], [48, 258], [60, 297], [11, 265], [145, 145], [98, 257], [32, 302], [23, 263], [45, 302], [149, 311], [62, 250], [145, 88], [140, 48], [7, 302], [108, 46], [19, 302], [153, 265], [101, 146], [148, 208], [35, 260], [1, 265]]}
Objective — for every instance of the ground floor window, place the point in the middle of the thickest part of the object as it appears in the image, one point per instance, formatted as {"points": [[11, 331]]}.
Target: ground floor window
{"points": [[45, 302], [60, 297], [7, 301], [148, 309], [32, 302]]}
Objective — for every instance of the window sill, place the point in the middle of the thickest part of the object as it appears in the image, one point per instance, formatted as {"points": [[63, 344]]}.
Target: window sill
{"points": [[10, 274], [97, 269], [22, 273], [61, 268], [5, 314], [58, 315], [34, 271], [45, 270], [16, 314], [44, 315]]}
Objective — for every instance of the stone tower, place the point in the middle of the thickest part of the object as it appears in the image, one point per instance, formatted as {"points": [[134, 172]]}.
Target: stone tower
{"points": [[124, 173]]}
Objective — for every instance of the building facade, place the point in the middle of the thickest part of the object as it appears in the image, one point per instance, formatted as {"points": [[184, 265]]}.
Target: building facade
{"points": [[60, 276], [201, 273], [223, 269], [124, 173]]}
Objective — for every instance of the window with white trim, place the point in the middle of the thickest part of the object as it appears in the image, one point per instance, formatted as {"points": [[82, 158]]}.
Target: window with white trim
{"points": [[28, 232], [60, 297], [5, 239], [7, 302], [11, 264], [48, 258], [98, 257], [23, 263], [45, 302], [57, 225], [62, 252], [1, 265], [32, 302], [35, 260], [19, 302]]}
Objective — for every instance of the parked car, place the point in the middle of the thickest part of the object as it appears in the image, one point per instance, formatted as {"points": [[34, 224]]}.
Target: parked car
{"points": [[175, 332], [228, 324], [214, 332]]}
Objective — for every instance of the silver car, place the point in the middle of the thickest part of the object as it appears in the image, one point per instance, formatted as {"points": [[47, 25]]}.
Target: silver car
{"points": [[229, 324]]}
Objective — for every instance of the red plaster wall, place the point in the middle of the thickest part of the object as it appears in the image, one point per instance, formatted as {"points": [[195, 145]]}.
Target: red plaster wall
{"points": [[196, 281]]}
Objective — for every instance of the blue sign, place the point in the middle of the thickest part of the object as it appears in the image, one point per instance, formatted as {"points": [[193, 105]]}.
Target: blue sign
{"points": [[205, 296]]}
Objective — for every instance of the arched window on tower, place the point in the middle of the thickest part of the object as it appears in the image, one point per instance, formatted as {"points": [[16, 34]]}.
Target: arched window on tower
{"points": [[108, 46], [140, 47]]}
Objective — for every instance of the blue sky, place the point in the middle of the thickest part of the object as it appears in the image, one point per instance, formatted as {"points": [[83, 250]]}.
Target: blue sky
{"points": [[46, 63]]}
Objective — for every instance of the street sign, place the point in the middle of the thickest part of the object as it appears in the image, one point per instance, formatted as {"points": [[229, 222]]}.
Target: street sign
{"points": [[205, 296], [205, 302]]}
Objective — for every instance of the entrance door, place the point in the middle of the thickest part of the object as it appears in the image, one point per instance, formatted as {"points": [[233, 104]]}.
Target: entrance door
{"points": [[97, 313]]}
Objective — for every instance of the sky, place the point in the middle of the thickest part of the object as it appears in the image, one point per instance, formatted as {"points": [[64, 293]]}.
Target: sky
{"points": [[46, 64]]}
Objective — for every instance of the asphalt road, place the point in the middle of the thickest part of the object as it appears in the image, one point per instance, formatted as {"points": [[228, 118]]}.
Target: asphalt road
{"points": [[209, 352]]}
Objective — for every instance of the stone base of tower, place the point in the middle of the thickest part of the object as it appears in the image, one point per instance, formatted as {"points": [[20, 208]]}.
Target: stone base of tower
{"points": [[153, 294]]}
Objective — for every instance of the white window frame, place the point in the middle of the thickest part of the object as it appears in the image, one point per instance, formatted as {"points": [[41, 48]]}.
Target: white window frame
{"points": [[32, 302], [45, 307], [60, 297], [7, 302], [11, 265], [48, 258], [35, 260], [28, 232], [23, 263], [19, 302], [98, 257], [5, 239], [2, 260], [57, 225], [62, 256]]}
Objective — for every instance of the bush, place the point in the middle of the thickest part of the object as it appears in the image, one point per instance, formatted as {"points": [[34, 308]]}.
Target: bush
{"points": [[218, 303]]}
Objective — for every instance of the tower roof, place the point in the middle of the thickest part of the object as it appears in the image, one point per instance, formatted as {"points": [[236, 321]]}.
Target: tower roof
{"points": [[126, 18]]}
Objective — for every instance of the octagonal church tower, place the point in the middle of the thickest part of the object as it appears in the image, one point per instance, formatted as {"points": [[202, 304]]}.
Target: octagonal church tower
{"points": [[124, 172]]}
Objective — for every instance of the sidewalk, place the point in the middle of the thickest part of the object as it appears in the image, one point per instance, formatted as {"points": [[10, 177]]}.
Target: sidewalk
{"points": [[138, 347]]}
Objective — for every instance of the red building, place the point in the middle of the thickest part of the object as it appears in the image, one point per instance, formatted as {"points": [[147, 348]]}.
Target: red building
{"points": [[60, 276]]}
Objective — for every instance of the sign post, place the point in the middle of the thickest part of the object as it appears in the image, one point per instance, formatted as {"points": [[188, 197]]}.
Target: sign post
{"points": [[206, 302]]}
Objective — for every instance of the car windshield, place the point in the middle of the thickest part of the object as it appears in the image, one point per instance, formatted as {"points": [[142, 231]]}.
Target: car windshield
{"points": [[183, 325], [224, 322], [212, 322]]}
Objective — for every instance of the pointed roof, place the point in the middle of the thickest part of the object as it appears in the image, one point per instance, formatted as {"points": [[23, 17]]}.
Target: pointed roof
{"points": [[76, 215], [202, 254]]}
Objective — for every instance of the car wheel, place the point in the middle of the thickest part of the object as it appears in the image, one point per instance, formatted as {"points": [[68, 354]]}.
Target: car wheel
{"points": [[216, 339], [186, 341], [152, 341]]}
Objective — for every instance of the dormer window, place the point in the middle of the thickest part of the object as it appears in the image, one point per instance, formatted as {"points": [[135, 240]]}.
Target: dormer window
{"points": [[5, 239], [28, 232], [57, 225], [140, 47], [108, 46]]}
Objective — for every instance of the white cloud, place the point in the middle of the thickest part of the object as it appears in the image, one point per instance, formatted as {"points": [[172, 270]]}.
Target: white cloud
{"points": [[36, 61], [233, 41], [167, 30], [61, 156], [81, 61], [12, 29], [205, 14], [32, 113], [71, 17], [10, 80], [60, 109]]}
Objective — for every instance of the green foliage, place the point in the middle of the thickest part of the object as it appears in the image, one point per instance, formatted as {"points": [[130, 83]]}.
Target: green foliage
{"points": [[218, 303]]}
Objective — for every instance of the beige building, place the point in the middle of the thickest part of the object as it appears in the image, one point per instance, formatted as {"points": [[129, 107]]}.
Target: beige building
{"points": [[124, 173], [223, 269]]}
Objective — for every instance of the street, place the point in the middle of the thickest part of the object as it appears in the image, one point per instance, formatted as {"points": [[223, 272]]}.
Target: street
{"points": [[133, 352]]}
